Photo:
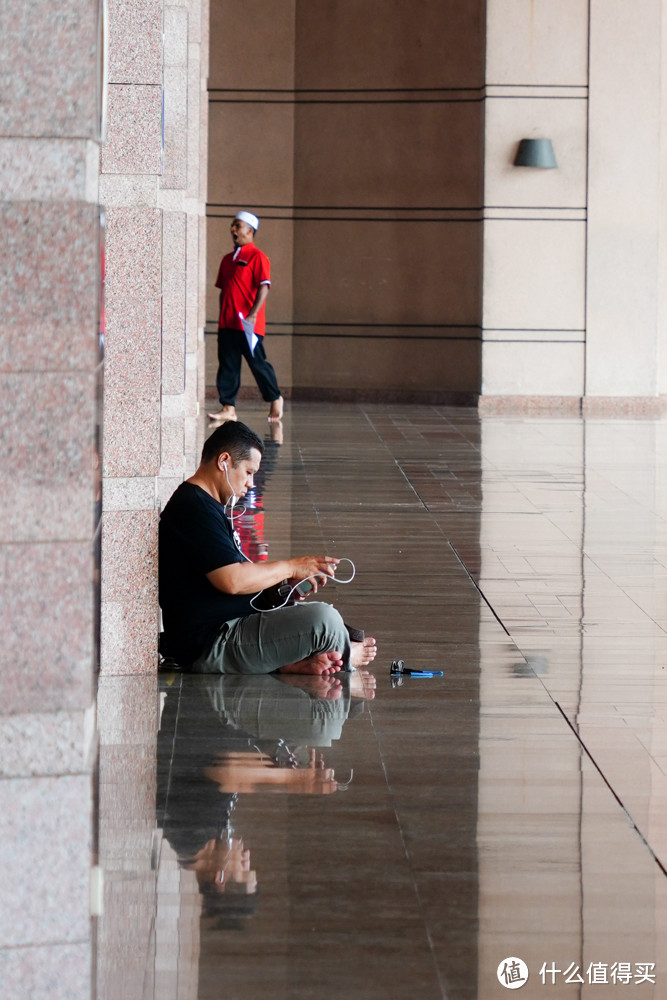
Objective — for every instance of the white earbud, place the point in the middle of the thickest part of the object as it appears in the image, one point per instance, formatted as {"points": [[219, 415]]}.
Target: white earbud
{"points": [[233, 498]]}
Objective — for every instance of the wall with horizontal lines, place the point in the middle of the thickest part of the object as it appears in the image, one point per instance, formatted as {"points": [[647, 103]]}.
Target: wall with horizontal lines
{"points": [[354, 130]]}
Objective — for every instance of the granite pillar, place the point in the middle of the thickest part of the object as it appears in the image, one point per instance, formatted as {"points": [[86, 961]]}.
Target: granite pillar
{"points": [[153, 190], [49, 499], [152, 187]]}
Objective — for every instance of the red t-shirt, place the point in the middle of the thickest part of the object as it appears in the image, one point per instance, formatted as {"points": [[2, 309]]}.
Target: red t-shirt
{"points": [[240, 275]]}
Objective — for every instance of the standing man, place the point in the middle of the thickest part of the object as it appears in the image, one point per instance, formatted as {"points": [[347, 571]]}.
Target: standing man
{"points": [[244, 280]]}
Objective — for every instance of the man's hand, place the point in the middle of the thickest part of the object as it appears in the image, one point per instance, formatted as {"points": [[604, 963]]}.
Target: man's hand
{"points": [[316, 569], [249, 578]]}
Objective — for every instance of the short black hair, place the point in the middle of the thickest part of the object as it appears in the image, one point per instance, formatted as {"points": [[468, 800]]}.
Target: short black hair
{"points": [[233, 437]]}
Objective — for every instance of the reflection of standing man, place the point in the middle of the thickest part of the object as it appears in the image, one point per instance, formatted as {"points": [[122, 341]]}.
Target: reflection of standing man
{"points": [[244, 280]]}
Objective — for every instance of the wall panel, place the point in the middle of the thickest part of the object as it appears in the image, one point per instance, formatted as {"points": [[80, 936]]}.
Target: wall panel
{"points": [[366, 176]]}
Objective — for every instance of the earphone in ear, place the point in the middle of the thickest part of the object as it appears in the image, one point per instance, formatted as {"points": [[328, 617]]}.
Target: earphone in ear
{"points": [[233, 498]]}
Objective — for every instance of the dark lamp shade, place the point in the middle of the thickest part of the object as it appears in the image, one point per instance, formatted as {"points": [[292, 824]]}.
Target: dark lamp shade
{"points": [[535, 153]]}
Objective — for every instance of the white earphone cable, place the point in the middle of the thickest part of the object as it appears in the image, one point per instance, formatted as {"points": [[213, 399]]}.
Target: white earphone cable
{"points": [[296, 586], [235, 516]]}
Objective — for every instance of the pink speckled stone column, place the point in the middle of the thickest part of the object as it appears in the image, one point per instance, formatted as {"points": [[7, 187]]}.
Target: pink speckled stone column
{"points": [[131, 164], [132, 345], [51, 387], [129, 592], [48, 296], [48, 54], [173, 301], [154, 185], [49, 357], [135, 41], [131, 436]]}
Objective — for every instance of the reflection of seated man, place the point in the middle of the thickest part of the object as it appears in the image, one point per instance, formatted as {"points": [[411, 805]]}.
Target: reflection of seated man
{"points": [[253, 772], [195, 817], [235, 734], [291, 718], [362, 685], [290, 710], [223, 865], [206, 583], [226, 881]]}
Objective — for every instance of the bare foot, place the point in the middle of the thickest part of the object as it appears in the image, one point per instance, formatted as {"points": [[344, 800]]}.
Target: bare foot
{"points": [[276, 411], [226, 413], [363, 653], [321, 664], [363, 684]]}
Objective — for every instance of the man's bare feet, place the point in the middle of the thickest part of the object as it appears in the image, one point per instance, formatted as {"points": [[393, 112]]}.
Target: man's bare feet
{"points": [[226, 413], [276, 410], [363, 653], [363, 684], [321, 664]]}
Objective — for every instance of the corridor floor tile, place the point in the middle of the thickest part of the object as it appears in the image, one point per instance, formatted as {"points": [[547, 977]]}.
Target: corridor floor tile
{"points": [[414, 842]]}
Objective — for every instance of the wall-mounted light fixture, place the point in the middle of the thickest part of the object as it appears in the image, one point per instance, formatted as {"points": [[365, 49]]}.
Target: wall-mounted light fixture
{"points": [[535, 153]]}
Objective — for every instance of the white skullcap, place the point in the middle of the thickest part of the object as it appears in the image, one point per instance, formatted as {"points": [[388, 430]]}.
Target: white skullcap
{"points": [[248, 217]]}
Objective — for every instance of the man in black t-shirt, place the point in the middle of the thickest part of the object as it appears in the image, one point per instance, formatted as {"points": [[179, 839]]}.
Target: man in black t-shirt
{"points": [[207, 584]]}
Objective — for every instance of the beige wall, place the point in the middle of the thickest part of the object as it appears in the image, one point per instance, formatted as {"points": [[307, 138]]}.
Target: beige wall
{"points": [[573, 287], [535, 220], [411, 256], [359, 148], [625, 322]]}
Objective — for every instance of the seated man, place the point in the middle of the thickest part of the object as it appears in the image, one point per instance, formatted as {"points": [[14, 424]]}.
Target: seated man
{"points": [[207, 583]]}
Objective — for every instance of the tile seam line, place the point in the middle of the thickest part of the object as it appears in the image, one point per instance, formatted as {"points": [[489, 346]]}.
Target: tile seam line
{"points": [[479, 590], [616, 796], [585, 749]]}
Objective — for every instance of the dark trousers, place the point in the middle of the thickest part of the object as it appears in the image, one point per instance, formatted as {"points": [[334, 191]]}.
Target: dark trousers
{"points": [[232, 346]]}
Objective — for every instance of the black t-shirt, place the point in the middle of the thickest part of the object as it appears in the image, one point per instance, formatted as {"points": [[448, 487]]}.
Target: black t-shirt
{"points": [[195, 537]]}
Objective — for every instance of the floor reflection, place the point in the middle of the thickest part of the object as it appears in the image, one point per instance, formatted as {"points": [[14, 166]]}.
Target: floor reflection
{"points": [[251, 525], [311, 840], [224, 738]]}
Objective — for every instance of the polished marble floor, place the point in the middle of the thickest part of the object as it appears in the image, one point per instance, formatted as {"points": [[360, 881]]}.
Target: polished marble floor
{"points": [[427, 837]]}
